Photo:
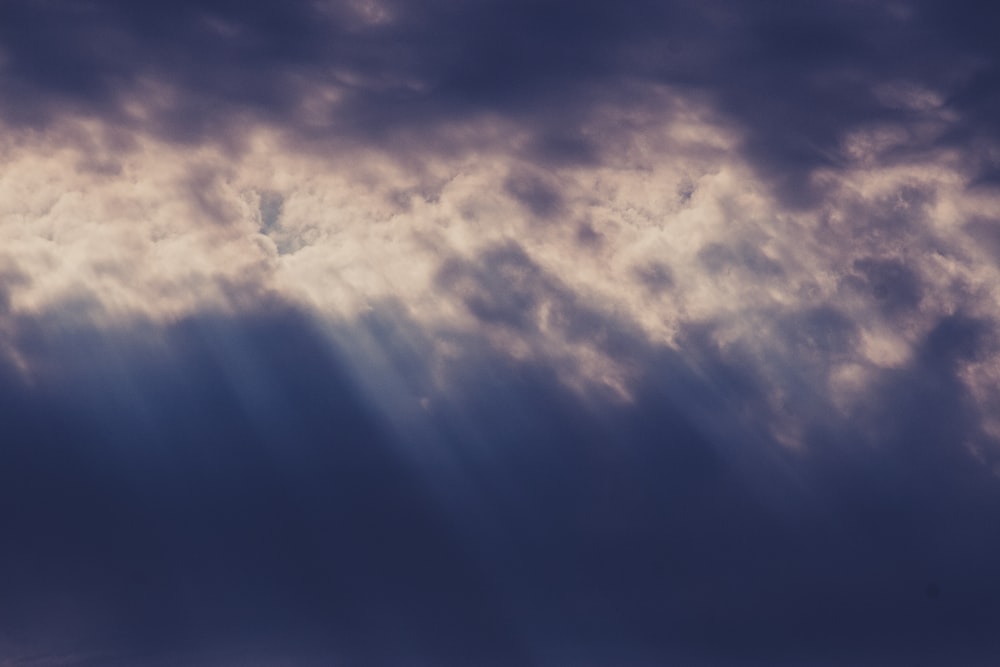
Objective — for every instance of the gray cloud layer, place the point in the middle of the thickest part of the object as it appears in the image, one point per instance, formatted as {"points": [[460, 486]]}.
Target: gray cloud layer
{"points": [[223, 485]]}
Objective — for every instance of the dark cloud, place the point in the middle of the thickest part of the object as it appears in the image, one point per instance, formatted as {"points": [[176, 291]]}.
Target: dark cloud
{"points": [[229, 488], [656, 277], [223, 486], [891, 283], [531, 190], [795, 79], [503, 287]]}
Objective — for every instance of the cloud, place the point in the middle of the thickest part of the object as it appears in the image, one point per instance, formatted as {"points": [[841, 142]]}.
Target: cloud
{"points": [[536, 331], [675, 232], [794, 81], [221, 484]]}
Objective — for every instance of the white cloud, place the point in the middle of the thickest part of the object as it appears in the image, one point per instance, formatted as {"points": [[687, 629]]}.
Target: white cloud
{"points": [[672, 228]]}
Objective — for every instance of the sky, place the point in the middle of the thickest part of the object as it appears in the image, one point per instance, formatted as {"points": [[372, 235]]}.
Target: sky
{"points": [[499, 333]]}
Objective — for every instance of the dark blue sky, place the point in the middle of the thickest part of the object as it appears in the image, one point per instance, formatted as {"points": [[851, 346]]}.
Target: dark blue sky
{"points": [[498, 333]]}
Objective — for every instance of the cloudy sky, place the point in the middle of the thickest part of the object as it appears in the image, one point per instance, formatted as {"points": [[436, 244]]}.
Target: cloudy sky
{"points": [[499, 333]]}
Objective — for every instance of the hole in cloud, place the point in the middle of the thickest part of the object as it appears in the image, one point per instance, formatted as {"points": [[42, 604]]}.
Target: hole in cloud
{"points": [[271, 204]]}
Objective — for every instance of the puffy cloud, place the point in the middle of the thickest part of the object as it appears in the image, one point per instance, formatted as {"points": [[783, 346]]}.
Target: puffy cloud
{"points": [[671, 230]]}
